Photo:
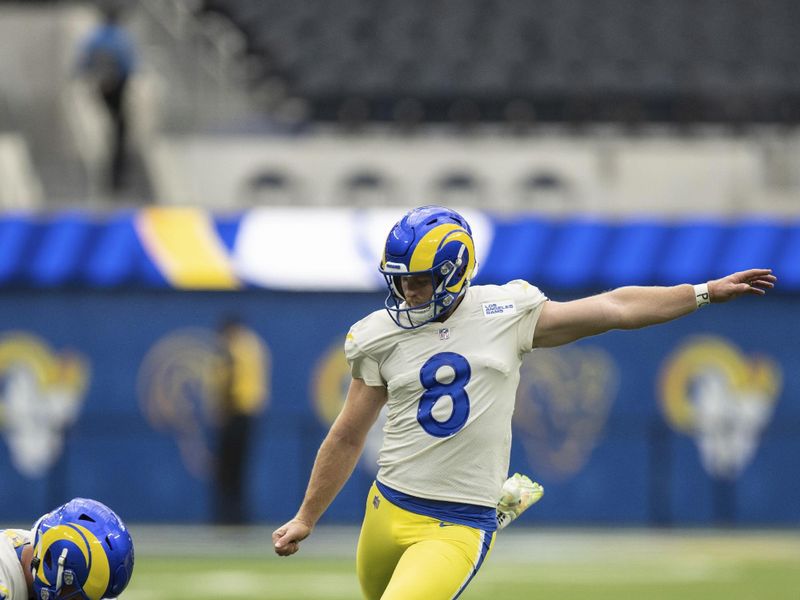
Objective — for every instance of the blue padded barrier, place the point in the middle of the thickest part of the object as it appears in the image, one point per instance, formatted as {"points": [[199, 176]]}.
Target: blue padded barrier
{"points": [[518, 251], [147, 272], [751, 245], [787, 264], [82, 249], [15, 234], [576, 255], [59, 258], [227, 228], [117, 254], [633, 254], [690, 255]]}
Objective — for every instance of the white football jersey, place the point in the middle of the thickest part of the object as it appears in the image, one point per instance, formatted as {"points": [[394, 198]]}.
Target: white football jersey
{"points": [[451, 391], [12, 579]]}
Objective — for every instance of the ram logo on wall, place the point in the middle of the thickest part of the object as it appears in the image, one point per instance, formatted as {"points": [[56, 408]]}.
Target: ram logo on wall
{"points": [[722, 398], [41, 394], [563, 402], [177, 386]]}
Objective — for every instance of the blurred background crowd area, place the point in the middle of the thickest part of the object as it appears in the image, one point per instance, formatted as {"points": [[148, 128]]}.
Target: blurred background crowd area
{"points": [[615, 107], [167, 166]]}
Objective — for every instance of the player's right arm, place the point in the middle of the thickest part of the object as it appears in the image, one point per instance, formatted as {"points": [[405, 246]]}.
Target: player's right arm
{"points": [[336, 459]]}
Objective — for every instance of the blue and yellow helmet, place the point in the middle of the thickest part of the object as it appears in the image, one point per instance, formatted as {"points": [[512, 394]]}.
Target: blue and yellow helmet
{"points": [[81, 550], [433, 241]]}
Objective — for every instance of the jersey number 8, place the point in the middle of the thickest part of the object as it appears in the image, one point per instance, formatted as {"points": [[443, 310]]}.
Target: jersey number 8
{"points": [[434, 390]]}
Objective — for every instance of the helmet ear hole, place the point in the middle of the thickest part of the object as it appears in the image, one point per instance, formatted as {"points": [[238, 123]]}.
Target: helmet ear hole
{"points": [[48, 559]]}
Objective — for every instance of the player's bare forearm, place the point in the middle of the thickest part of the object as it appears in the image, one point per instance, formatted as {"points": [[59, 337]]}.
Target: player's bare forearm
{"points": [[336, 459], [634, 307], [644, 306]]}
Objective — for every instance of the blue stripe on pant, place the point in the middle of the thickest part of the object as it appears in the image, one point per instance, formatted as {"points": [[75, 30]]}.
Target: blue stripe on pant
{"points": [[486, 540]]}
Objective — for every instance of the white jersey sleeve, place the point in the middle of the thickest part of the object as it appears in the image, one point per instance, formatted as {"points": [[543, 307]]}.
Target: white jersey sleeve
{"points": [[529, 302], [360, 349], [12, 579]]}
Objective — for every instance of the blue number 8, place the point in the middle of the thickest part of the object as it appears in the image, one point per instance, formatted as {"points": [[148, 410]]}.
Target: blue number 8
{"points": [[435, 390]]}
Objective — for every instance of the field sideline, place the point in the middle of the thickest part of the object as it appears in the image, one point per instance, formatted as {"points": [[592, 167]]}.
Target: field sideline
{"points": [[198, 563]]}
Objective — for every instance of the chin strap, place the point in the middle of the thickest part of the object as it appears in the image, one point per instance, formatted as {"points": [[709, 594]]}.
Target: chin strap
{"points": [[60, 575], [35, 562]]}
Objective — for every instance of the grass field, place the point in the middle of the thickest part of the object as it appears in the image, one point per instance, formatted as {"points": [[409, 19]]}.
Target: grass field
{"points": [[565, 565]]}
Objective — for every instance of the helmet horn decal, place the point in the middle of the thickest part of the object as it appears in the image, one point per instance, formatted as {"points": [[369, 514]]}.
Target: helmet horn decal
{"points": [[428, 247], [71, 547], [80, 541]]}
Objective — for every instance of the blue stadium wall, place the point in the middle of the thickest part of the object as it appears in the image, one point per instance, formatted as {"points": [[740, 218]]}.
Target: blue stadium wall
{"points": [[610, 425]]}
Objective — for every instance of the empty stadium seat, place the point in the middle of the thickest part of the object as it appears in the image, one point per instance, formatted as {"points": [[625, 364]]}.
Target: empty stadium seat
{"points": [[655, 55]]}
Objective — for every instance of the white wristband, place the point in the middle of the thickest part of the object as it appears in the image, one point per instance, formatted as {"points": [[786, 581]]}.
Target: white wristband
{"points": [[701, 295]]}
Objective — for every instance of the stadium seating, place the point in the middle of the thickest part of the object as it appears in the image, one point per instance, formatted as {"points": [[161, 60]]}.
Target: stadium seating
{"points": [[607, 60]]}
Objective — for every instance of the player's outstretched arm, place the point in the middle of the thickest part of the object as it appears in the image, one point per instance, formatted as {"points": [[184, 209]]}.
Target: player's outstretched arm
{"points": [[336, 458], [634, 307]]}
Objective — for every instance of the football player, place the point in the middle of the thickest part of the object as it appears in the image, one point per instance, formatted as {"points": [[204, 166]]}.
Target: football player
{"points": [[81, 550], [445, 357]]}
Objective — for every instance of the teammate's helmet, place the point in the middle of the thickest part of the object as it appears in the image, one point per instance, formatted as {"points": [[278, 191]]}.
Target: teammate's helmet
{"points": [[433, 241], [81, 550]]}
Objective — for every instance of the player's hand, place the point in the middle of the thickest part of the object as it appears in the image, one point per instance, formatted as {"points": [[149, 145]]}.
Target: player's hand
{"points": [[752, 281], [286, 538]]}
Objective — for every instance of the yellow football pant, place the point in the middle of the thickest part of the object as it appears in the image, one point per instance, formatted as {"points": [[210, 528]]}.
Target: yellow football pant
{"points": [[405, 556]]}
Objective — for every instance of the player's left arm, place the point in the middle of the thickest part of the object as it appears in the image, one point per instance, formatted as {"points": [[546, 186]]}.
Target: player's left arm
{"points": [[633, 307]]}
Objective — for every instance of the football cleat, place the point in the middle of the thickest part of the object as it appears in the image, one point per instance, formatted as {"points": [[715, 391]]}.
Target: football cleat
{"points": [[517, 495]]}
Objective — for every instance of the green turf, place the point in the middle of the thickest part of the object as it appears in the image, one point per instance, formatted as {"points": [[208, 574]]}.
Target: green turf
{"points": [[578, 567]]}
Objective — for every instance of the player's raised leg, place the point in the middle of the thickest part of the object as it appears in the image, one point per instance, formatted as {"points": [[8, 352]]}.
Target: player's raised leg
{"points": [[518, 494]]}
